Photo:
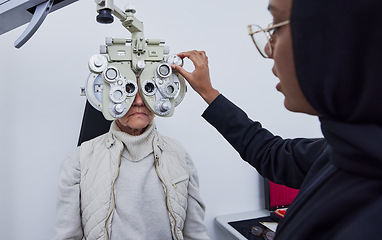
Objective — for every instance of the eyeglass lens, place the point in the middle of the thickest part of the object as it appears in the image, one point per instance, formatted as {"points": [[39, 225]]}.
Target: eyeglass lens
{"points": [[261, 40]]}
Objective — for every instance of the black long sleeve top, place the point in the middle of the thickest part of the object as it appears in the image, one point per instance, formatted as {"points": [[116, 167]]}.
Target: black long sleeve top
{"points": [[331, 204]]}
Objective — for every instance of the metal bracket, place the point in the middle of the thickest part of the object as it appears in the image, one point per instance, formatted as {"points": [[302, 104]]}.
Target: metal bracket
{"points": [[39, 15]]}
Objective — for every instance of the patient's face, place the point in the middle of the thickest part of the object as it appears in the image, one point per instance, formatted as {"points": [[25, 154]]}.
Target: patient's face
{"points": [[137, 118]]}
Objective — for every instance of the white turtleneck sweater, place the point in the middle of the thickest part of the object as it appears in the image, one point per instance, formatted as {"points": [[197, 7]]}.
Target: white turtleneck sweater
{"points": [[140, 210]]}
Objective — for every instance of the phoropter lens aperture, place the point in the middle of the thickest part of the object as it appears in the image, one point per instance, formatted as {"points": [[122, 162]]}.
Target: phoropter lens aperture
{"points": [[130, 88], [149, 87]]}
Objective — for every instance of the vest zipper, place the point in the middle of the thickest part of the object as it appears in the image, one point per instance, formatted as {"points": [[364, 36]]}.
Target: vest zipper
{"points": [[168, 208], [113, 194]]}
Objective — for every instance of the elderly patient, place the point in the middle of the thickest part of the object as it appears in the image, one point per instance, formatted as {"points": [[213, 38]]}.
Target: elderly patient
{"points": [[130, 183]]}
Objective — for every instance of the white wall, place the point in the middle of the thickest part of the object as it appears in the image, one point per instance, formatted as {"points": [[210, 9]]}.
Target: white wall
{"points": [[41, 110]]}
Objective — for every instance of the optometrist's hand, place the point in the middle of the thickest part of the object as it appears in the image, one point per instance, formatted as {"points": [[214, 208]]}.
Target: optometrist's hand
{"points": [[199, 79]]}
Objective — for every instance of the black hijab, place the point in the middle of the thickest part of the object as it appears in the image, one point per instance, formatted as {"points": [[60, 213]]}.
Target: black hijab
{"points": [[338, 57]]}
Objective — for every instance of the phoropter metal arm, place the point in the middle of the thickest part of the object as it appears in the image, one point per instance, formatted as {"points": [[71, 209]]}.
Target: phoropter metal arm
{"points": [[106, 9]]}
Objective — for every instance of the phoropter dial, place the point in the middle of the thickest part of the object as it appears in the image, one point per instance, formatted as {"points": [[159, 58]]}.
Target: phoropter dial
{"points": [[110, 74]]}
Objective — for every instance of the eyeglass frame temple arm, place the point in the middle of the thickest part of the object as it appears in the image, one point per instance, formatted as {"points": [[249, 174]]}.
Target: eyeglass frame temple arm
{"points": [[268, 28]]}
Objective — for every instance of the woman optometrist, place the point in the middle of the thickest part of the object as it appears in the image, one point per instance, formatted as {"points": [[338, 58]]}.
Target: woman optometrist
{"points": [[328, 57]]}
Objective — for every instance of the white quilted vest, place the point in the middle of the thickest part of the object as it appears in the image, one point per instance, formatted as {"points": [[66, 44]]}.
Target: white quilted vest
{"points": [[100, 161]]}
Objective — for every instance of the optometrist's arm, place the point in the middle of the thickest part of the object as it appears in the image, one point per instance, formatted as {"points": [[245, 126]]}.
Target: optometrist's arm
{"points": [[199, 79], [283, 161]]}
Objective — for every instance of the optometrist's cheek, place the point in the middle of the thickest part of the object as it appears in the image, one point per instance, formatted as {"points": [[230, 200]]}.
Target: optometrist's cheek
{"points": [[267, 50]]}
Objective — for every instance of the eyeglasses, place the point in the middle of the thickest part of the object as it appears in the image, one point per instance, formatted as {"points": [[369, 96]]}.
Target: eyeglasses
{"points": [[263, 36], [265, 233]]}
